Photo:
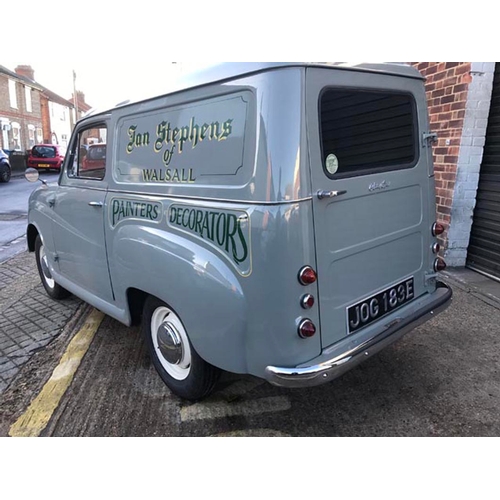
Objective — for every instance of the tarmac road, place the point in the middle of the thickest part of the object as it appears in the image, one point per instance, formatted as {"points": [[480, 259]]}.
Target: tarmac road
{"points": [[443, 379], [14, 213]]}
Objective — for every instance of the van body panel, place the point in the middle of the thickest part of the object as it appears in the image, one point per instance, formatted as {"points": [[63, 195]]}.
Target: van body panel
{"points": [[376, 232], [255, 315], [257, 162]]}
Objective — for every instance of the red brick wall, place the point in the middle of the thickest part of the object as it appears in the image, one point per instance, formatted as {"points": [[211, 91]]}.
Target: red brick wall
{"points": [[446, 86]]}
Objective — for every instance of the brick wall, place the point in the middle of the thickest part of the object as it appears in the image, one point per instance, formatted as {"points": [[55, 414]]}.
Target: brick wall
{"points": [[19, 115], [447, 85]]}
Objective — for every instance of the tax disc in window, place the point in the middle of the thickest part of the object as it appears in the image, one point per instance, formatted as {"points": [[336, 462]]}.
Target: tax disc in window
{"points": [[332, 164]]}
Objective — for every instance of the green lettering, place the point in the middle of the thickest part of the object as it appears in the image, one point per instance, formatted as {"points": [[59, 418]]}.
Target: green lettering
{"points": [[194, 132], [116, 207], [205, 225], [214, 130], [226, 130], [183, 138], [243, 244], [131, 134], [173, 213], [230, 232], [221, 229], [204, 129], [199, 219], [160, 134]]}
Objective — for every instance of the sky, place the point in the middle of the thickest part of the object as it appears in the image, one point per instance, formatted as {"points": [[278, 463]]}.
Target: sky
{"points": [[123, 50], [105, 83]]}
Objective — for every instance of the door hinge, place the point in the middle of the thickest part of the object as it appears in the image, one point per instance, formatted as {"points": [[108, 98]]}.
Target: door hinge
{"points": [[429, 138]]}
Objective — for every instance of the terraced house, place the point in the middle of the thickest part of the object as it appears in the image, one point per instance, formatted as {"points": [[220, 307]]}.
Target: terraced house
{"points": [[31, 113]]}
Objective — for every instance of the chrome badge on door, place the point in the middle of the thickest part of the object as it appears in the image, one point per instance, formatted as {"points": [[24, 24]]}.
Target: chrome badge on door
{"points": [[375, 307]]}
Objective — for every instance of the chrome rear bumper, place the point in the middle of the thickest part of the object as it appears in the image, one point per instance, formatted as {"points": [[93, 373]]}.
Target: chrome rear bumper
{"points": [[325, 371]]}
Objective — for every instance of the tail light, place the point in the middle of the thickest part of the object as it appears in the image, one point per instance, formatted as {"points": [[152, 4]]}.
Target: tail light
{"points": [[306, 329], [307, 301], [307, 276], [435, 248], [437, 229], [439, 265]]}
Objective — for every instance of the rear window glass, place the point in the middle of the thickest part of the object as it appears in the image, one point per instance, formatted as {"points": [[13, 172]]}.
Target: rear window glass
{"points": [[43, 152], [363, 132], [97, 152]]}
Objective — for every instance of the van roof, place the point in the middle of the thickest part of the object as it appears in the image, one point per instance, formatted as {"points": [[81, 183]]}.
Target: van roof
{"points": [[229, 71]]}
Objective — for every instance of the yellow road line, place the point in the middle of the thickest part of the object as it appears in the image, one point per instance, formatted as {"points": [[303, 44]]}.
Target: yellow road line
{"points": [[38, 414]]}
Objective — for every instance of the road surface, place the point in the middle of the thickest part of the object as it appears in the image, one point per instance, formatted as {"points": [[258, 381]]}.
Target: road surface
{"points": [[14, 211]]}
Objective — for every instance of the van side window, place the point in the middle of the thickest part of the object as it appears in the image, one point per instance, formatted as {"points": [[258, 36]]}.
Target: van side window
{"points": [[88, 157], [365, 132]]}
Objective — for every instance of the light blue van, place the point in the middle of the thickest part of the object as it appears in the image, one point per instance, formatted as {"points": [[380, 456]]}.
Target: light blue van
{"points": [[273, 219]]}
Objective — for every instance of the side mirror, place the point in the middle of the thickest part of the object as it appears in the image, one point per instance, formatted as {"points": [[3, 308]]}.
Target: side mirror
{"points": [[32, 175]]}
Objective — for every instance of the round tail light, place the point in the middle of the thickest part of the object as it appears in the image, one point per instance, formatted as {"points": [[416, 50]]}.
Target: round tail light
{"points": [[306, 329], [307, 275], [307, 301], [439, 265], [436, 247], [437, 229]]}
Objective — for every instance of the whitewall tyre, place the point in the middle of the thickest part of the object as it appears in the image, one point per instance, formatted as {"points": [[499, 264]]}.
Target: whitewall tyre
{"points": [[54, 290], [181, 368]]}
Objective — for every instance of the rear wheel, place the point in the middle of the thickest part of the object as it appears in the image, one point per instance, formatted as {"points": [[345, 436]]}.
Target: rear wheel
{"points": [[51, 287], [178, 364], [4, 173]]}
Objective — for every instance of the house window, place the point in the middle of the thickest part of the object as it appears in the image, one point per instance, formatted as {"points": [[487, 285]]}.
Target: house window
{"points": [[12, 94], [27, 93], [31, 136], [15, 139], [39, 136]]}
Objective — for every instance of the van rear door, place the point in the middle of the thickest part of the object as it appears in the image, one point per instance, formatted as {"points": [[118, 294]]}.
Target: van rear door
{"points": [[372, 196]]}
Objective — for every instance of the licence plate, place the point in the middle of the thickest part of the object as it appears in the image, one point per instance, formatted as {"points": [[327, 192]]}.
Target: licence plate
{"points": [[44, 165], [375, 307]]}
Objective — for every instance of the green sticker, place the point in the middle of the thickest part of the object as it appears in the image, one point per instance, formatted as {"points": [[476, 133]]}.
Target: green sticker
{"points": [[332, 164]]}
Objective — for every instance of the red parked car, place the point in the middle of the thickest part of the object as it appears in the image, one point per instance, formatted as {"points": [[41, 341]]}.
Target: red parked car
{"points": [[46, 156], [95, 159]]}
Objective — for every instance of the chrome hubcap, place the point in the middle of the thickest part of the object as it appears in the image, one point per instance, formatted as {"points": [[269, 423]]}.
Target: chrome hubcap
{"points": [[169, 343]]}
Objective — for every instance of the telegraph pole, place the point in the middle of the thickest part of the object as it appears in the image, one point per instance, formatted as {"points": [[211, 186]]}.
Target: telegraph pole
{"points": [[74, 97]]}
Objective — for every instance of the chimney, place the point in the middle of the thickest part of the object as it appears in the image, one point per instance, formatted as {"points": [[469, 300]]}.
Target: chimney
{"points": [[26, 70]]}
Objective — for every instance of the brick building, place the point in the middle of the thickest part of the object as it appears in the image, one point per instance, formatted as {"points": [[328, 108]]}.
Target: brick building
{"points": [[31, 113], [467, 167], [20, 111]]}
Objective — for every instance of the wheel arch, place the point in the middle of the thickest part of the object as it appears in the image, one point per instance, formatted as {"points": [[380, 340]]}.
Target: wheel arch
{"points": [[31, 234], [136, 299]]}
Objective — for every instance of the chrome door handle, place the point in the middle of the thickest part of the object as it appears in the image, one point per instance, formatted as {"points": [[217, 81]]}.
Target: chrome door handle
{"points": [[329, 194], [95, 203]]}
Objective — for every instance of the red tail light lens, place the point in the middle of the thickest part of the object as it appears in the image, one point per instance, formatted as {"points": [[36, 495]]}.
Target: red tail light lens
{"points": [[307, 275], [307, 301], [306, 329], [439, 265], [437, 229]]}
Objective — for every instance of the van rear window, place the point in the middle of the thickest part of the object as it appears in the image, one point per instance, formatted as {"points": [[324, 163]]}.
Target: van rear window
{"points": [[43, 152], [364, 132]]}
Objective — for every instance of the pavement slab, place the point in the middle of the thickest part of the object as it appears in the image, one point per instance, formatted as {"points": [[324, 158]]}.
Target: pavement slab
{"points": [[29, 318]]}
